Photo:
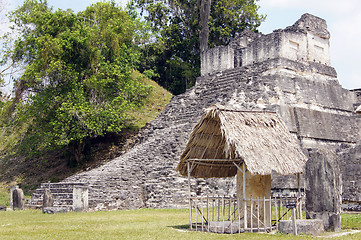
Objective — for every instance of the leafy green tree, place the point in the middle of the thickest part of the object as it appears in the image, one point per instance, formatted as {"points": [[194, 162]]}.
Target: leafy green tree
{"points": [[184, 28], [2, 100], [75, 84]]}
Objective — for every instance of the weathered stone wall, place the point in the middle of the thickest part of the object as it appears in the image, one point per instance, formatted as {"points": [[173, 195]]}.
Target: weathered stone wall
{"points": [[317, 39], [263, 48], [217, 59], [350, 159]]}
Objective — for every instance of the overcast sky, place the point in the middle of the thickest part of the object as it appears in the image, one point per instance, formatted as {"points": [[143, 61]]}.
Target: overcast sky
{"points": [[343, 20]]}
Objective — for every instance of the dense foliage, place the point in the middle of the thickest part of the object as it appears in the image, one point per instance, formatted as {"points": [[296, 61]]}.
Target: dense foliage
{"points": [[75, 79], [72, 80], [175, 53]]}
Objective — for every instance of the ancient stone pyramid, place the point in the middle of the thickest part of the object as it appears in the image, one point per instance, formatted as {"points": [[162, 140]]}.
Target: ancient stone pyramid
{"points": [[287, 71]]}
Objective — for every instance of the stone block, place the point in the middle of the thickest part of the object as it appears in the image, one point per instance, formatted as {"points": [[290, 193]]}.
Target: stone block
{"points": [[80, 198], [48, 199], [18, 199], [323, 188], [12, 188], [325, 125], [54, 210], [226, 227], [307, 226]]}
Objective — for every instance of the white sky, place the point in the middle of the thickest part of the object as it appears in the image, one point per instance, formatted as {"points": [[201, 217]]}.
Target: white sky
{"points": [[343, 20]]}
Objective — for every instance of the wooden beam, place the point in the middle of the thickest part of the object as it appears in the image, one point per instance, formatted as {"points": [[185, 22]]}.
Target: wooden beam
{"points": [[239, 168], [213, 164]]}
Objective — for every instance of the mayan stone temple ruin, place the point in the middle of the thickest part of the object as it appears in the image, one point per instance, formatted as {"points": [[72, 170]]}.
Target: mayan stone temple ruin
{"points": [[287, 71]]}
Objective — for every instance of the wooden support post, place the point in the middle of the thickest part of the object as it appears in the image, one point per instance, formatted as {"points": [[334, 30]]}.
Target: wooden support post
{"points": [[213, 209], [270, 213], [218, 207], [189, 195], [251, 214], [281, 207], [202, 216], [299, 184], [230, 218], [245, 214], [222, 214], [257, 214], [239, 214], [244, 196], [276, 213], [299, 194], [294, 221], [264, 214], [208, 218], [234, 209], [196, 206], [229, 210]]}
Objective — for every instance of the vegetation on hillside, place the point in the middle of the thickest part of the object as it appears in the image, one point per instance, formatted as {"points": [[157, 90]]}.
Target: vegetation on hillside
{"points": [[178, 26], [75, 82], [29, 171], [78, 98]]}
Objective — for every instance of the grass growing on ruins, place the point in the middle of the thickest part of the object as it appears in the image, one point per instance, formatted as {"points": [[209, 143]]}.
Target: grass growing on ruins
{"points": [[155, 102], [129, 224]]}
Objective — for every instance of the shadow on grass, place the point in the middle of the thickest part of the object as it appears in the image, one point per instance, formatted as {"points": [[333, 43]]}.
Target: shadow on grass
{"points": [[182, 227]]}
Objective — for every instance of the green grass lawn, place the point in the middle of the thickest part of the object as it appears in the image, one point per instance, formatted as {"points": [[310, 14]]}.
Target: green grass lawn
{"points": [[127, 224]]}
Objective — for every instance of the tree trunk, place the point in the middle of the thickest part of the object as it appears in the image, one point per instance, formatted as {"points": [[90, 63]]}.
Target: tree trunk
{"points": [[204, 13], [76, 151]]}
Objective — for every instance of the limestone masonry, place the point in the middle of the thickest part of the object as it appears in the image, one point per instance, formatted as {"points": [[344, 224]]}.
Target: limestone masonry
{"points": [[287, 71]]}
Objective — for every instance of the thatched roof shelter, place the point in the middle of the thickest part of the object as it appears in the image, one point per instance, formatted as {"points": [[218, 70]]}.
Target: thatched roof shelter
{"points": [[225, 136]]}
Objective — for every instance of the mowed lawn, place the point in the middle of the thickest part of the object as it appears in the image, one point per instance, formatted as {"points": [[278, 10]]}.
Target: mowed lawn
{"points": [[126, 224]]}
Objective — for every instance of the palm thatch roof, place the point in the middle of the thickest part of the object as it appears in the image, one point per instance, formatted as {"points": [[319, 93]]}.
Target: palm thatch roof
{"points": [[225, 136]]}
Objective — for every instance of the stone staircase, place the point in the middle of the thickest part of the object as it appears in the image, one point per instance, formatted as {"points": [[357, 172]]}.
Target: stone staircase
{"points": [[62, 193]]}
